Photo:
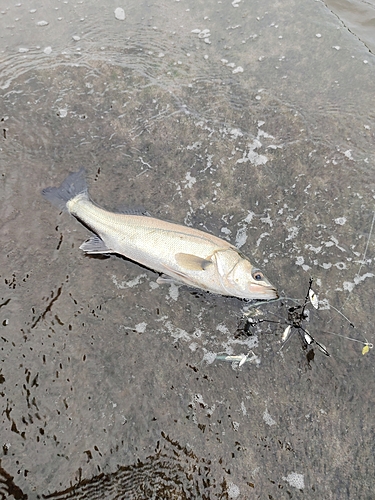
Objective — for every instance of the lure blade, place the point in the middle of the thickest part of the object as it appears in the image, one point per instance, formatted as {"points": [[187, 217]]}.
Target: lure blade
{"points": [[313, 299], [308, 338], [322, 347], [286, 333]]}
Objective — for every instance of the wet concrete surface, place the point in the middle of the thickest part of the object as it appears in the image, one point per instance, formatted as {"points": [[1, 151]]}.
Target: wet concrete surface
{"points": [[259, 131]]}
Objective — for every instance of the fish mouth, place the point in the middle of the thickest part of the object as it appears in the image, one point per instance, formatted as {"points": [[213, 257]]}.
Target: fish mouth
{"points": [[264, 292]]}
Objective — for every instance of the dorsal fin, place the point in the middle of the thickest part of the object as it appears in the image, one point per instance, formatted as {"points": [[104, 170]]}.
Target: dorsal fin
{"points": [[122, 209]]}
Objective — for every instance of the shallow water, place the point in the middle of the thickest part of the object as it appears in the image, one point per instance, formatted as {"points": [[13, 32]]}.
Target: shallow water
{"points": [[260, 130]]}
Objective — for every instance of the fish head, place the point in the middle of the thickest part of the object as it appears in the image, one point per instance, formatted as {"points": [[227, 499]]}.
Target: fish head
{"points": [[248, 282]]}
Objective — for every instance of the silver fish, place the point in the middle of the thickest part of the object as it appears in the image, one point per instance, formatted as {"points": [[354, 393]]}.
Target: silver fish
{"points": [[187, 255]]}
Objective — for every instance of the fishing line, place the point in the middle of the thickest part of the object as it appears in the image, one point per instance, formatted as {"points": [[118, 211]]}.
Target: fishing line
{"points": [[369, 344], [341, 314], [367, 244], [272, 301], [357, 276]]}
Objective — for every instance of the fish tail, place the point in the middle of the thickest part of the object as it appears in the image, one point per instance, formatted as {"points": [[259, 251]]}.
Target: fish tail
{"points": [[72, 186]]}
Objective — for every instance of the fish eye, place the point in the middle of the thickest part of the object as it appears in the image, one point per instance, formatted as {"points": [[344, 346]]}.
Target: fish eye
{"points": [[257, 275]]}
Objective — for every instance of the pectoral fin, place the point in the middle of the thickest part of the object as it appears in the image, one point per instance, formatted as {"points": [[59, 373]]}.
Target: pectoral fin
{"points": [[192, 262], [95, 245]]}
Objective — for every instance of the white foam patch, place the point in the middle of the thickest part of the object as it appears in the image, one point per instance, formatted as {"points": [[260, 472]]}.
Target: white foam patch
{"points": [[293, 233], [190, 181], [209, 357], [249, 342], [340, 265], [203, 34], [177, 333], [252, 156], [268, 419], [174, 291], [336, 243], [198, 399], [128, 284], [233, 489], [235, 425], [296, 480], [62, 113], [349, 286], [241, 236], [119, 14], [141, 327], [223, 329], [340, 221], [263, 235], [195, 146], [300, 262], [267, 220], [235, 133], [243, 408], [324, 304], [313, 249]]}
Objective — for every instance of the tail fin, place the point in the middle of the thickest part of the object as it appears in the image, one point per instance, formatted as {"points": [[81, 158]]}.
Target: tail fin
{"points": [[73, 185]]}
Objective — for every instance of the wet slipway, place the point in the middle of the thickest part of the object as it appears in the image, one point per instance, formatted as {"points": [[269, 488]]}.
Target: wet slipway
{"points": [[252, 121]]}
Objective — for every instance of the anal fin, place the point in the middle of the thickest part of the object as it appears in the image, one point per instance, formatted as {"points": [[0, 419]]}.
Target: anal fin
{"points": [[164, 279]]}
